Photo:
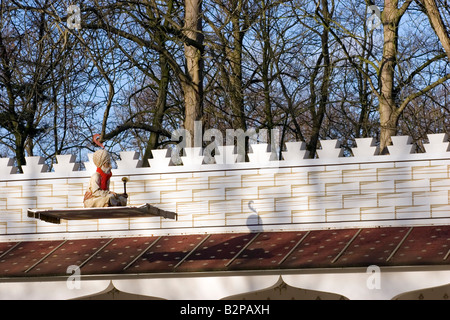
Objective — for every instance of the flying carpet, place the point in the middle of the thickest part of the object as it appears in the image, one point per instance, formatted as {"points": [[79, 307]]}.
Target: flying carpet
{"points": [[55, 215]]}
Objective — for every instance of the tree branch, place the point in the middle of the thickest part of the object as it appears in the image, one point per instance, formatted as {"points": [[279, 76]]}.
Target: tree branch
{"points": [[412, 96], [133, 125]]}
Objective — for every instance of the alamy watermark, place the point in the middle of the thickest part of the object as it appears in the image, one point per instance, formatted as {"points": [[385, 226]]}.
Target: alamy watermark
{"points": [[374, 20], [74, 17], [373, 281], [233, 137], [74, 280]]}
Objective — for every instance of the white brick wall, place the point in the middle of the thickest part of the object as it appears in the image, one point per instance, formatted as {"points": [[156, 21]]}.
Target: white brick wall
{"points": [[403, 187]]}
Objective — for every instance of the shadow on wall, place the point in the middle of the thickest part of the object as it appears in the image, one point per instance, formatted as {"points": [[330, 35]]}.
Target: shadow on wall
{"points": [[254, 221]]}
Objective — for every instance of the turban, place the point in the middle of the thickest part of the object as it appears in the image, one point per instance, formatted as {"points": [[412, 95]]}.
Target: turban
{"points": [[101, 157]]}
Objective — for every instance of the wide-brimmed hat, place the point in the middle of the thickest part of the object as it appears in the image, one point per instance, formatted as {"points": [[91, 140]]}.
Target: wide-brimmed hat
{"points": [[101, 157]]}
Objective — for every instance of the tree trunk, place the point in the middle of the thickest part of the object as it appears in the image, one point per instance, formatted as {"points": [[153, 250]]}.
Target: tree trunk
{"points": [[163, 85], [362, 127], [161, 104], [237, 91], [265, 66], [436, 22], [389, 113], [19, 150], [193, 90], [325, 61]]}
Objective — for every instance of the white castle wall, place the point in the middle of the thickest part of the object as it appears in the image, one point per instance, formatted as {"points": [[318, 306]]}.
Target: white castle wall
{"points": [[401, 188]]}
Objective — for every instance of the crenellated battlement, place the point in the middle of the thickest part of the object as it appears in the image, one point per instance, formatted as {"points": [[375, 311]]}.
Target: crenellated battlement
{"points": [[194, 160], [330, 191]]}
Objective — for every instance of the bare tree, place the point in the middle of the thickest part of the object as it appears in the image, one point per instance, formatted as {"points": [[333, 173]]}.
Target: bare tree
{"points": [[136, 70], [29, 54], [437, 22]]}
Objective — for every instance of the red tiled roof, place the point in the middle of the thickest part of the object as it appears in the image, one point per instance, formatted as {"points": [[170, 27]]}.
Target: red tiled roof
{"points": [[384, 246]]}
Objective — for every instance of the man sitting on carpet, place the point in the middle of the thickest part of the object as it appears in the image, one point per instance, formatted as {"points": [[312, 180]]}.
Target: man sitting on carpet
{"points": [[98, 194]]}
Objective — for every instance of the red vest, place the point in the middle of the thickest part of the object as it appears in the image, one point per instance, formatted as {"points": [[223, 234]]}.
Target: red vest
{"points": [[104, 178]]}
